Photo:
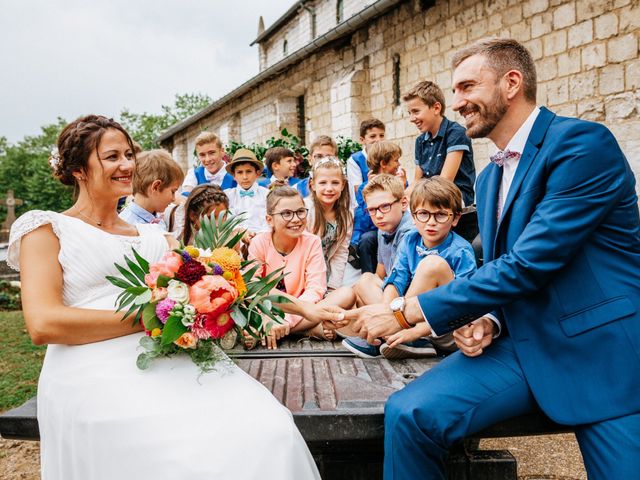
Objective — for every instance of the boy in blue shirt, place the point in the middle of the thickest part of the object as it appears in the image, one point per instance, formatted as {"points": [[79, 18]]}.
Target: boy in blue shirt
{"points": [[442, 148], [281, 164], [428, 257], [323, 146], [372, 130]]}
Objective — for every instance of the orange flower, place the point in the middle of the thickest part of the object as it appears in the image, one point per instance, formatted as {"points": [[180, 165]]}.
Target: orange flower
{"points": [[228, 259], [187, 340], [167, 266], [212, 294], [239, 283]]}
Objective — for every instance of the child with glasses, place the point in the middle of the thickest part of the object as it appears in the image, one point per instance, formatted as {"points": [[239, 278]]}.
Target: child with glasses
{"points": [[383, 157], [323, 146], [330, 217], [290, 246]]}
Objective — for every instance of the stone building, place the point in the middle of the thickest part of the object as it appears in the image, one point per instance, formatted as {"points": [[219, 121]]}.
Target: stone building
{"points": [[325, 65]]}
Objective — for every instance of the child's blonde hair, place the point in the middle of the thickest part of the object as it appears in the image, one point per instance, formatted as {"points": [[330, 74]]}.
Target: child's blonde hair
{"points": [[208, 137], [439, 192], [155, 165], [200, 200], [344, 219], [321, 141], [384, 183], [382, 151]]}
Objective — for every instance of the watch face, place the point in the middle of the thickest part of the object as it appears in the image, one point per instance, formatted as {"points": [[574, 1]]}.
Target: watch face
{"points": [[396, 304]]}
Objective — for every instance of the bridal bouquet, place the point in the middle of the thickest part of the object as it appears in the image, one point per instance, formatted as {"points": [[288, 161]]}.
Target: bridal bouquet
{"points": [[195, 295]]}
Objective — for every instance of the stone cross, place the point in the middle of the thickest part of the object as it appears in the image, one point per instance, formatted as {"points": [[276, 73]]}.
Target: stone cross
{"points": [[10, 201]]}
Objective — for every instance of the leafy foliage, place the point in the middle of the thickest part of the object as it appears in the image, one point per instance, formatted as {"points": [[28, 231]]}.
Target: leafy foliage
{"points": [[10, 298], [347, 147], [24, 168], [145, 127]]}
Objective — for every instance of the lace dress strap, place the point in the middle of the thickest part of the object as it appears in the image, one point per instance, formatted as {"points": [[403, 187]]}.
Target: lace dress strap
{"points": [[26, 223]]}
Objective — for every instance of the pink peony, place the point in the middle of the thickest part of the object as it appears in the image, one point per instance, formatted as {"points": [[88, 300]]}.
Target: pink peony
{"points": [[212, 294], [218, 325], [198, 327], [163, 308], [168, 265]]}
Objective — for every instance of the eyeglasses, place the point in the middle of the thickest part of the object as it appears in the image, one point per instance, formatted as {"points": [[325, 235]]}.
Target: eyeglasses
{"points": [[320, 156], [287, 215], [423, 216], [383, 208]]}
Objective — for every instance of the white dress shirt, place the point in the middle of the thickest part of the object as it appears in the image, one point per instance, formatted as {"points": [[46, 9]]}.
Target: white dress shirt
{"points": [[190, 180], [254, 207], [516, 144]]}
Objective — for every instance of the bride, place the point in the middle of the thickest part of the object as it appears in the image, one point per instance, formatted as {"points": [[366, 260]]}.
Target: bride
{"points": [[100, 417]]}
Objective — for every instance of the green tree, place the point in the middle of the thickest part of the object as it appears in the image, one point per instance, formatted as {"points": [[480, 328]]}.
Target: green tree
{"points": [[24, 168], [145, 127]]}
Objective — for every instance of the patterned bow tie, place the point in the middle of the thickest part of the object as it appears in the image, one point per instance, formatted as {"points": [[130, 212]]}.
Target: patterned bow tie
{"points": [[423, 252], [502, 156], [246, 193], [387, 237]]}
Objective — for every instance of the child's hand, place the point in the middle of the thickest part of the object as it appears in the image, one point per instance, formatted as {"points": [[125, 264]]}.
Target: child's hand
{"points": [[247, 237], [408, 335], [277, 331]]}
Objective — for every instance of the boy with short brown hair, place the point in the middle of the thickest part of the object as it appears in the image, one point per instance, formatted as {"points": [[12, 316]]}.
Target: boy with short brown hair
{"points": [[321, 147], [281, 162], [156, 179]]}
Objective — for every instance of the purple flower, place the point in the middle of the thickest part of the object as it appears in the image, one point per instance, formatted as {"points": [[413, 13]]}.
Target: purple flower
{"points": [[217, 269], [186, 256], [163, 308]]}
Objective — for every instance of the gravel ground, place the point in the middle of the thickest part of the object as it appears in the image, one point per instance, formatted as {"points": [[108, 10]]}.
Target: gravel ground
{"points": [[554, 457]]}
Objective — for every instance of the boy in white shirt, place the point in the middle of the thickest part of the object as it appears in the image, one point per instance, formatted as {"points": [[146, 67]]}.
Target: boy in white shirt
{"points": [[248, 197]]}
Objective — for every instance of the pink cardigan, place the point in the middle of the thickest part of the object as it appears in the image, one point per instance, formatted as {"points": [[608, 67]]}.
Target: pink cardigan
{"points": [[305, 269]]}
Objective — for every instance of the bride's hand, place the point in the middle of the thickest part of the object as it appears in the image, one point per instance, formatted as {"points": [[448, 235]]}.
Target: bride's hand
{"points": [[276, 332]]}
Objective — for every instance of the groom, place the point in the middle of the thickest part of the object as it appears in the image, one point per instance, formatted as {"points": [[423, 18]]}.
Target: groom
{"points": [[560, 230]]}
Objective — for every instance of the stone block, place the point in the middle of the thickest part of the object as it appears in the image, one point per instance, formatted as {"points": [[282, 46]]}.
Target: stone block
{"points": [[583, 85], [478, 29], [555, 42], [444, 44], [591, 110], [541, 24], [459, 38], [547, 69], [495, 22], [629, 18], [611, 79], [594, 55], [580, 34], [569, 62], [632, 75], [512, 15], [592, 8], [606, 25], [535, 48], [620, 107], [564, 16], [521, 31], [566, 110], [532, 7], [622, 48], [558, 91]]}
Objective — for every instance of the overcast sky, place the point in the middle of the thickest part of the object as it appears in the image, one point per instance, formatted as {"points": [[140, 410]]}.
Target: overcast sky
{"points": [[71, 57]]}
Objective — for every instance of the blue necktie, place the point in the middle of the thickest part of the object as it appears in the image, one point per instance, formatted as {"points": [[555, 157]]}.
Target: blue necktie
{"points": [[246, 193]]}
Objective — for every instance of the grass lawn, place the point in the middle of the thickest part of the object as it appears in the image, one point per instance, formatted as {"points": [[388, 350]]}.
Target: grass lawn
{"points": [[20, 361]]}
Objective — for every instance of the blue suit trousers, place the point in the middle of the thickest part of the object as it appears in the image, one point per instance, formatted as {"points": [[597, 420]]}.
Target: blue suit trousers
{"points": [[463, 395]]}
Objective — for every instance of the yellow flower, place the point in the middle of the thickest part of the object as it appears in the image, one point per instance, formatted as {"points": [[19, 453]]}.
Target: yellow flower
{"points": [[227, 275], [155, 332], [192, 251], [227, 258]]}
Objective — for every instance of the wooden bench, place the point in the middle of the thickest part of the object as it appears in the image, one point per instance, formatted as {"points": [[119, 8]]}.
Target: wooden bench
{"points": [[337, 401]]}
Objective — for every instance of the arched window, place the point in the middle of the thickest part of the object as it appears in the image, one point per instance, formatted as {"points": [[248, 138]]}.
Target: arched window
{"points": [[339, 11], [285, 47]]}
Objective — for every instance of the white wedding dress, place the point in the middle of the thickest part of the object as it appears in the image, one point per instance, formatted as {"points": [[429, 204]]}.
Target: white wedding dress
{"points": [[101, 417]]}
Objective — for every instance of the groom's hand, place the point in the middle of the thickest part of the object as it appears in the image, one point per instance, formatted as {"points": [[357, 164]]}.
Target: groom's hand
{"points": [[472, 339], [373, 322]]}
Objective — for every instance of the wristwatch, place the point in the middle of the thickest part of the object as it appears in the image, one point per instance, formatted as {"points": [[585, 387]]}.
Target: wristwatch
{"points": [[397, 307]]}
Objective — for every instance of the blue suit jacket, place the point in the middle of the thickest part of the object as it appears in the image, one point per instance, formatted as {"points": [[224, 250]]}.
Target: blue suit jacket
{"points": [[562, 271]]}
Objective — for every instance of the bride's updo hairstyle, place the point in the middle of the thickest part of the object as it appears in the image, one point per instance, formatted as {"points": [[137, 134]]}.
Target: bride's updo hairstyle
{"points": [[76, 143]]}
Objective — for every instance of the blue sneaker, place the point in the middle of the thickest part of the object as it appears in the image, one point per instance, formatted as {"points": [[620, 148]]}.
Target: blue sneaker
{"points": [[361, 348], [420, 348]]}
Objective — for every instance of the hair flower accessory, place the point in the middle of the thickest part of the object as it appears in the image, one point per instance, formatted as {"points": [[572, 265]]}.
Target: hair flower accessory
{"points": [[328, 161], [54, 158]]}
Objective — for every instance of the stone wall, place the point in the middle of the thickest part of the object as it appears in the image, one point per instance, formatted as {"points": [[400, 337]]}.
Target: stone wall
{"points": [[586, 53]]}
